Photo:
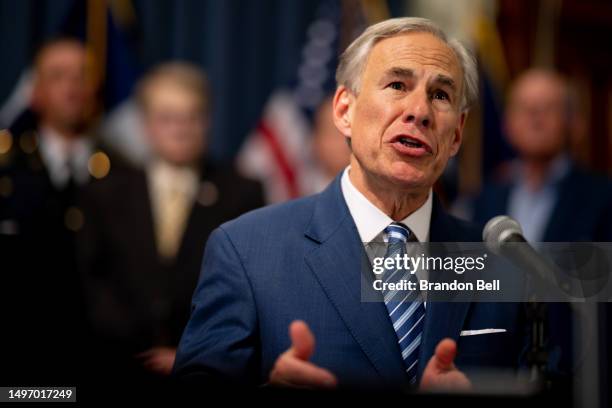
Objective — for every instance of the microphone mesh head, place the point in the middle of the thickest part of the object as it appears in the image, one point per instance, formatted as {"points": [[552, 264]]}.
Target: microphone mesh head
{"points": [[498, 229]]}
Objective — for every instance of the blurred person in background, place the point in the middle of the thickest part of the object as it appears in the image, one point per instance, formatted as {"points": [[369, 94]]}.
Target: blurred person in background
{"points": [[547, 193], [331, 153], [52, 156], [552, 198], [141, 253]]}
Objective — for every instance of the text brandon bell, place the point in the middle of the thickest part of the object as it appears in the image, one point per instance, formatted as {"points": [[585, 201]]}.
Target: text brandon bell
{"points": [[424, 285]]}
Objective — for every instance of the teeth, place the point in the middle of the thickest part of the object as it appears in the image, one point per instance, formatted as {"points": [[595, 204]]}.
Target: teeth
{"points": [[410, 142]]}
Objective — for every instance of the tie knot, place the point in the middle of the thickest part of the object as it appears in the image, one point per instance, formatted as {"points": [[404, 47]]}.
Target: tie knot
{"points": [[398, 232]]}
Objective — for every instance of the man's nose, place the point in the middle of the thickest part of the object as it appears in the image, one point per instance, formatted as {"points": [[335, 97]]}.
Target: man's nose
{"points": [[418, 110]]}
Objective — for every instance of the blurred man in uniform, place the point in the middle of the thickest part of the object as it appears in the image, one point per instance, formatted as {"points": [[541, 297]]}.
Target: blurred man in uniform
{"points": [[48, 160]]}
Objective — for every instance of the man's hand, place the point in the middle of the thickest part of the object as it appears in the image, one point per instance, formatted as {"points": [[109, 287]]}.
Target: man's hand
{"points": [[440, 374], [158, 360], [292, 368]]}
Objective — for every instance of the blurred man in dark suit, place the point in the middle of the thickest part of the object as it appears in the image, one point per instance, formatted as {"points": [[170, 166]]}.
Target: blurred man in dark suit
{"points": [[552, 198], [547, 193], [51, 156], [145, 231]]}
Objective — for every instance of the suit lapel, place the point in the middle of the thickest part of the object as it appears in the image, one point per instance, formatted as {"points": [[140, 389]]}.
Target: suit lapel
{"points": [[143, 210], [564, 208], [337, 263], [189, 236]]}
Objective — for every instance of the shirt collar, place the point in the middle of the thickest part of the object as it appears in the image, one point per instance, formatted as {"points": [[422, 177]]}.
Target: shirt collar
{"points": [[371, 221], [164, 175], [59, 155], [53, 149], [557, 170]]}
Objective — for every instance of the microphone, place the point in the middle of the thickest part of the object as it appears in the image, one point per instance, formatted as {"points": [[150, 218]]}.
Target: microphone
{"points": [[504, 236], [502, 229]]}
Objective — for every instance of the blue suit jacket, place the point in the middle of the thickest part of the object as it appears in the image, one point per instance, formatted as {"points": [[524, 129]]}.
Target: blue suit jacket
{"points": [[302, 260]]}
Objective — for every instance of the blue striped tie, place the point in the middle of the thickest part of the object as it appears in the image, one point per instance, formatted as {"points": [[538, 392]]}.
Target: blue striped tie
{"points": [[406, 308]]}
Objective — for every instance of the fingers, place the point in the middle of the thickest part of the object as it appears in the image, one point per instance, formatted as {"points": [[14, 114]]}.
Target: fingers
{"points": [[294, 372], [453, 381], [293, 369], [445, 354], [145, 354], [442, 360], [441, 373], [158, 359], [154, 352], [302, 340], [161, 366]]}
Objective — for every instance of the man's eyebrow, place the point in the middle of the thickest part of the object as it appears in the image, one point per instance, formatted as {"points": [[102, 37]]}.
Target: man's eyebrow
{"points": [[445, 80], [399, 72]]}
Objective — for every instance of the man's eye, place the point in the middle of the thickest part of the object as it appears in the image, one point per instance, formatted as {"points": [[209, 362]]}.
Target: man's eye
{"points": [[398, 86], [441, 95]]}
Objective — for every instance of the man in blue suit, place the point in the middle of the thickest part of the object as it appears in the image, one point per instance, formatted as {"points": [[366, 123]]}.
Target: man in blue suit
{"points": [[404, 90]]}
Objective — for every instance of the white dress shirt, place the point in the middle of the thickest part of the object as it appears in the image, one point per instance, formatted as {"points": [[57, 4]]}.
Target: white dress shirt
{"points": [[371, 221], [64, 158], [533, 208]]}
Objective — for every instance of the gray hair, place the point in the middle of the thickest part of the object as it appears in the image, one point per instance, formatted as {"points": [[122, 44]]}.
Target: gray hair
{"points": [[353, 59]]}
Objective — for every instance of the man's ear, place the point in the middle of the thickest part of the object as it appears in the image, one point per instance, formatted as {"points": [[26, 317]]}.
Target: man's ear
{"points": [[343, 110], [458, 134]]}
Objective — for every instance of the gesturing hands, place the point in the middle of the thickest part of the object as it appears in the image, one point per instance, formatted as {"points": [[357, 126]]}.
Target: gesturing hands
{"points": [[158, 360], [292, 368], [440, 374]]}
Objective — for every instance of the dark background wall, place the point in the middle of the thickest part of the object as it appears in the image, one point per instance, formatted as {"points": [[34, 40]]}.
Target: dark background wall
{"points": [[247, 47], [250, 47]]}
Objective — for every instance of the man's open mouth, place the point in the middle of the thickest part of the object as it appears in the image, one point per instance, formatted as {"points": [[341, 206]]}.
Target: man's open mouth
{"points": [[412, 143]]}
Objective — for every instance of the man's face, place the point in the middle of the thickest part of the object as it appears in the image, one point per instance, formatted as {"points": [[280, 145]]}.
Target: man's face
{"points": [[406, 122], [536, 117], [62, 94], [175, 123]]}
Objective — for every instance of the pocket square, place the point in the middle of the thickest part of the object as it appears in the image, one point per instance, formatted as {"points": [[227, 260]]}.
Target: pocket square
{"points": [[481, 331]]}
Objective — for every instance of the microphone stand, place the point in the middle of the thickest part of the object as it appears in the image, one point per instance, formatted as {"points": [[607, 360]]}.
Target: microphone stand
{"points": [[500, 233], [536, 313], [537, 355]]}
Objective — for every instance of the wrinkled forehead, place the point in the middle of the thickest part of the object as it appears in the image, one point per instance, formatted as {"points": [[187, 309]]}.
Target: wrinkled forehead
{"points": [[421, 52]]}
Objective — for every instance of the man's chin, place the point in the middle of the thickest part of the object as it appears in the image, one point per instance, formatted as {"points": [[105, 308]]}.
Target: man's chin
{"points": [[410, 181], [407, 175], [74, 126]]}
